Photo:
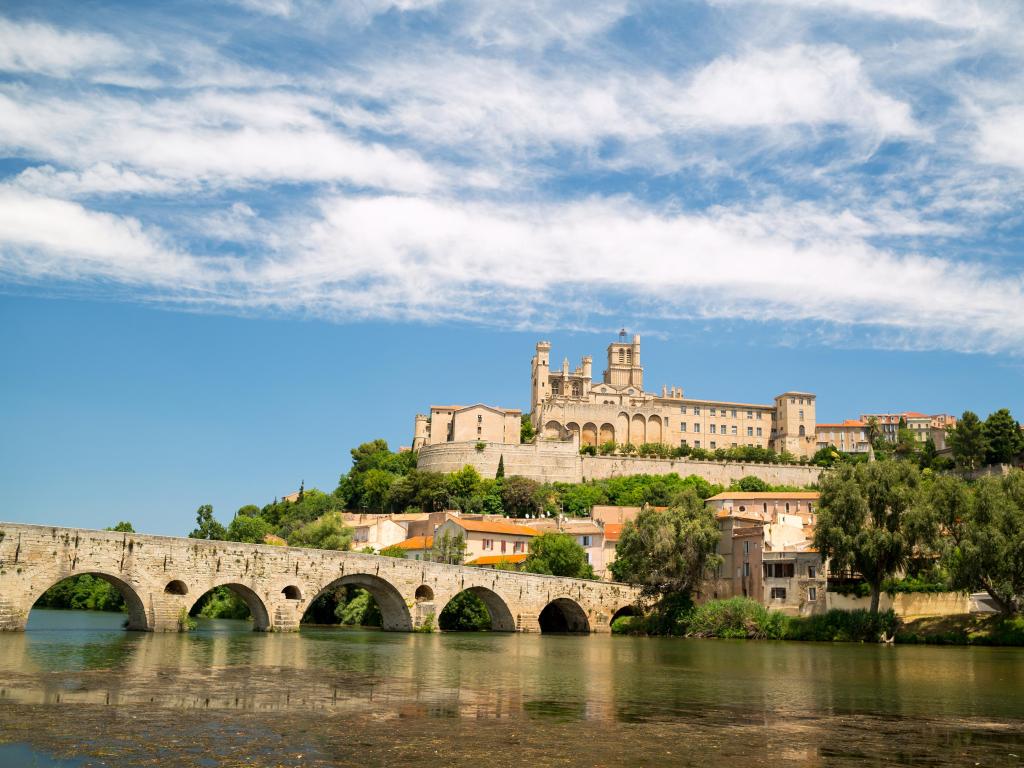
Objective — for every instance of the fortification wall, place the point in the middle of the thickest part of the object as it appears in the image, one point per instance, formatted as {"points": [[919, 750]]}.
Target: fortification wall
{"points": [[544, 461], [550, 461], [720, 472], [906, 605]]}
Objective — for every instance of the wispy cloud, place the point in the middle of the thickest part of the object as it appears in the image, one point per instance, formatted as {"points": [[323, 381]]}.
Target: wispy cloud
{"points": [[42, 48]]}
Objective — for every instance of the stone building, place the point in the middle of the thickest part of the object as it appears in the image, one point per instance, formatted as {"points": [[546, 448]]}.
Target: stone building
{"points": [[570, 404], [465, 423], [766, 549]]}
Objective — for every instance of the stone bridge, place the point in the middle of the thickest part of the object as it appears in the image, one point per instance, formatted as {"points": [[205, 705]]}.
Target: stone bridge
{"points": [[162, 577]]}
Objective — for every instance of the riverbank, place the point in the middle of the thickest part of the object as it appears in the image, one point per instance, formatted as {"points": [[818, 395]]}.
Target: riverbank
{"points": [[744, 619]]}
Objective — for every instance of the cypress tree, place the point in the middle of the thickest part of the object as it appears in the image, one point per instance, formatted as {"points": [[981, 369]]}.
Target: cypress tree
{"points": [[501, 468]]}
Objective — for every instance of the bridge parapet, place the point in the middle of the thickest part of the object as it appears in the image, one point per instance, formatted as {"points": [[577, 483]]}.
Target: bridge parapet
{"points": [[162, 577]]}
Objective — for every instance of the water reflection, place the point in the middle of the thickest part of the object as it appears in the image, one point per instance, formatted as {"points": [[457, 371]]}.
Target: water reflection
{"points": [[790, 700]]}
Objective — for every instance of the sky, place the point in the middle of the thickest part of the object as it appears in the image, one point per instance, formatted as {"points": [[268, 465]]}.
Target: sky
{"points": [[239, 238]]}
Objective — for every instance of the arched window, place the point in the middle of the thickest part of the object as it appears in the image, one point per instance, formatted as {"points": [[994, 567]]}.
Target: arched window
{"points": [[622, 356], [802, 430]]}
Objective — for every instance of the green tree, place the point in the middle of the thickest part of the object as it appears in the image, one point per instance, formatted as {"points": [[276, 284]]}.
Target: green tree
{"points": [[870, 519], [1004, 440], [558, 554], [207, 526], [462, 486], [501, 467], [251, 510], [248, 528], [983, 547], [393, 551], [668, 552], [449, 549], [750, 483], [519, 495], [465, 613], [906, 442], [328, 532], [526, 431], [967, 439], [122, 527], [929, 454]]}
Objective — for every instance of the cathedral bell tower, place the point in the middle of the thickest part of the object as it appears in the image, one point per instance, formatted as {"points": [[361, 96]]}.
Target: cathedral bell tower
{"points": [[624, 367]]}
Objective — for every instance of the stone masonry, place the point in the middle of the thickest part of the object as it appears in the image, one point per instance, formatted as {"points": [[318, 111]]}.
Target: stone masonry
{"points": [[162, 577]]}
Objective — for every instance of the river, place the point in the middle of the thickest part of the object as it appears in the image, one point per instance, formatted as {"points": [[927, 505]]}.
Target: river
{"points": [[77, 690]]}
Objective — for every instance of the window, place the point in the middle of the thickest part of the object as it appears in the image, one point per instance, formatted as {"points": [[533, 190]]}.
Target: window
{"points": [[682, 426], [746, 544], [778, 593], [696, 443], [759, 414], [812, 594], [711, 411], [696, 410], [742, 508], [682, 409], [585, 541], [479, 419], [765, 506], [503, 546], [696, 427], [750, 431], [712, 428], [750, 414], [778, 570], [759, 432], [517, 547], [787, 507], [734, 429], [713, 445], [734, 413], [746, 569], [488, 544], [801, 414], [810, 571]]}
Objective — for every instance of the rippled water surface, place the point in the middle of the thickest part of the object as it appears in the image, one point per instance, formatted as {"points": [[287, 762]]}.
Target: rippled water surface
{"points": [[75, 687]]}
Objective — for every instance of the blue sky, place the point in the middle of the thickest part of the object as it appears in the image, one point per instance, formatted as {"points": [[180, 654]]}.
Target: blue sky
{"points": [[231, 233]]}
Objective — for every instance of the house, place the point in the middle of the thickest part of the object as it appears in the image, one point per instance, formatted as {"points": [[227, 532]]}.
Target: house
{"points": [[850, 436], [487, 537], [766, 550], [380, 531], [612, 534], [417, 547]]}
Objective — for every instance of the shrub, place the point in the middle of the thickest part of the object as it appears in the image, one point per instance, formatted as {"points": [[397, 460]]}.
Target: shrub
{"points": [[629, 625], [737, 617], [843, 626]]}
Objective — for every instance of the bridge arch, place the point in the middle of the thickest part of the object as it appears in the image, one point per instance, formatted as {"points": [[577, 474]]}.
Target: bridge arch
{"points": [[138, 618], [626, 610], [563, 615], [501, 616], [394, 612], [257, 607]]}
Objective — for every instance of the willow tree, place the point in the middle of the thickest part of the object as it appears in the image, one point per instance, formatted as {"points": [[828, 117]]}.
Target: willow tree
{"points": [[983, 542], [671, 551], [870, 519]]}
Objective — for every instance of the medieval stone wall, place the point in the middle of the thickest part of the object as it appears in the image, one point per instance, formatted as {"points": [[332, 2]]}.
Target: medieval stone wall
{"points": [[720, 472], [544, 461]]}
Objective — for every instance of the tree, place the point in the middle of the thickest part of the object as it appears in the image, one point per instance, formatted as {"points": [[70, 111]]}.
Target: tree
{"points": [[906, 442], [558, 554], [122, 527], [750, 483], [449, 549], [248, 528], [967, 439], [668, 552], [207, 526], [501, 467], [984, 543], [519, 495], [526, 431], [393, 551], [463, 485], [870, 519], [929, 454], [327, 532], [1004, 440]]}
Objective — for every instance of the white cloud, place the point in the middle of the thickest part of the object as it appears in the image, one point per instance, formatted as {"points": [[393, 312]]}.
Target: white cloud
{"points": [[216, 140], [99, 179], [43, 238], [538, 23], [951, 13], [41, 48], [1001, 137], [811, 85]]}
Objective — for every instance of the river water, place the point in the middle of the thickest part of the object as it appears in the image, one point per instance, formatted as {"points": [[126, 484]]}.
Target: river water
{"points": [[77, 690]]}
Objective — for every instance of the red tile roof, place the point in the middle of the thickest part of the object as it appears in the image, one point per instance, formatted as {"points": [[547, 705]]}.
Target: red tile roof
{"points": [[612, 531], [495, 559], [489, 526], [417, 542]]}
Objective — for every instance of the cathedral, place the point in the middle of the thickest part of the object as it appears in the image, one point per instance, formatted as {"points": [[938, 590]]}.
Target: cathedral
{"points": [[569, 405]]}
